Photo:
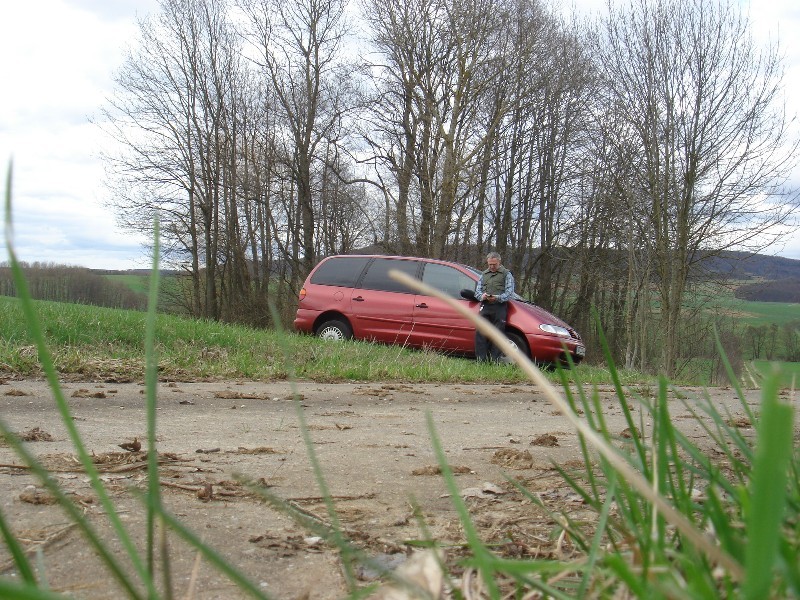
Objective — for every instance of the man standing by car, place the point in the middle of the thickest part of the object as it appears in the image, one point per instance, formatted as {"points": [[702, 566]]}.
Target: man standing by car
{"points": [[494, 289]]}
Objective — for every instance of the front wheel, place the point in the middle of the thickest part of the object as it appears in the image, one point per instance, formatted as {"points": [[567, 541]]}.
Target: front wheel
{"points": [[519, 342], [335, 330]]}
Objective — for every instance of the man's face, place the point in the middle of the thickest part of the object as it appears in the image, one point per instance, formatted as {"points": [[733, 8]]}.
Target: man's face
{"points": [[493, 264]]}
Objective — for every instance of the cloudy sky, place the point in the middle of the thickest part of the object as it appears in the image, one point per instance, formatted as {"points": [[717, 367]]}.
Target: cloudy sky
{"points": [[59, 57]]}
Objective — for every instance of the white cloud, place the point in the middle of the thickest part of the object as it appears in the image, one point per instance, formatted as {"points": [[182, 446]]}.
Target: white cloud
{"points": [[61, 80]]}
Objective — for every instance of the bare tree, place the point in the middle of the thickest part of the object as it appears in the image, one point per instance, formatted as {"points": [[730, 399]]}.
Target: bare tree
{"points": [[392, 127], [438, 65], [604, 182], [171, 113], [704, 106], [302, 55], [556, 113]]}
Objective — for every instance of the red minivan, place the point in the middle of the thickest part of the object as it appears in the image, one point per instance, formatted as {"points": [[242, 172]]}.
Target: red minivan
{"points": [[352, 296]]}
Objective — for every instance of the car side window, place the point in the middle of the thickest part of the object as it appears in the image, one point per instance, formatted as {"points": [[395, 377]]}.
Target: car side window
{"points": [[451, 281], [377, 275], [343, 271]]}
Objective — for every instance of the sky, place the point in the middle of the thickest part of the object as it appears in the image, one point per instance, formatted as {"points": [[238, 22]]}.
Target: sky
{"points": [[59, 58]]}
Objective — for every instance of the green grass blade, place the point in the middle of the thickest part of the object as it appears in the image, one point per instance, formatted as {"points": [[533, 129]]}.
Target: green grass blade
{"points": [[339, 538], [662, 425], [570, 398], [729, 537], [45, 358], [210, 554], [734, 381], [768, 490], [788, 552], [482, 555], [626, 411], [151, 382], [17, 552], [22, 591], [624, 571], [72, 511], [594, 552], [331, 536], [529, 572]]}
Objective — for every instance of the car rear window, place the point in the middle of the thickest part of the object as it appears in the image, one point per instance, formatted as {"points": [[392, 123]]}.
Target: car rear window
{"points": [[377, 276], [343, 271]]}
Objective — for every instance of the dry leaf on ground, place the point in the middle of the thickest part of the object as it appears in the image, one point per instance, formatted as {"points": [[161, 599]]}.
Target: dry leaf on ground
{"points": [[437, 470], [422, 575]]}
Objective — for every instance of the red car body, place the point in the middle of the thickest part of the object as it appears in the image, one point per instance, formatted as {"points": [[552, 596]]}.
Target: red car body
{"points": [[352, 296]]}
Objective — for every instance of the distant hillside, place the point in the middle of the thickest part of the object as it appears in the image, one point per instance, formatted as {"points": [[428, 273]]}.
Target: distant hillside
{"points": [[731, 265], [739, 265], [774, 278]]}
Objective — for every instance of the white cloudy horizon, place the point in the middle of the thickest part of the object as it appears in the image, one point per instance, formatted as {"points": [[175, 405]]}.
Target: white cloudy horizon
{"points": [[60, 81], [61, 78]]}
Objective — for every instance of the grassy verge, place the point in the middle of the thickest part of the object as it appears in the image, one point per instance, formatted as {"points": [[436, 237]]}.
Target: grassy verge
{"points": [[106, 343]]}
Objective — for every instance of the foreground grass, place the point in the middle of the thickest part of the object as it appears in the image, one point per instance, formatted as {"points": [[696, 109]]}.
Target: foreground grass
{"points": [[95, 342]]}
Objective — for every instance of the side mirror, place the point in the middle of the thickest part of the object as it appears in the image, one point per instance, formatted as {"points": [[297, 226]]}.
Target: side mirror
{"points": [[468, 294]]}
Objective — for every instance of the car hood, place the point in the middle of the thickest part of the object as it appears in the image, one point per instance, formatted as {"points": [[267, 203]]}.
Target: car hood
{"points": [[541, 314]]}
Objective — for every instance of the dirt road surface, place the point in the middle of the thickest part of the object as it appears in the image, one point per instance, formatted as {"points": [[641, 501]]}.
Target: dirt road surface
{"points": [[374, 449]]}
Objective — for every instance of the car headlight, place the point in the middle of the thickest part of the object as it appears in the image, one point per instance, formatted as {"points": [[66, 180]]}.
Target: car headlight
{"points": [[554, 329]]}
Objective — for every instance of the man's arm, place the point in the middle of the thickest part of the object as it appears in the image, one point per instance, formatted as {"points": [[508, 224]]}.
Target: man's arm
{"points": [[479, 288]]}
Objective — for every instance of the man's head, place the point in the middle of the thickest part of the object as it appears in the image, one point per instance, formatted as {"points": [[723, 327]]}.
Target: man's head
{"points": [[493, 261]]}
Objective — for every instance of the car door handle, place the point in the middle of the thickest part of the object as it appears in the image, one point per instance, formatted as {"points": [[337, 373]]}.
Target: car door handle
{"points": [[423, 305], [358, 299]]}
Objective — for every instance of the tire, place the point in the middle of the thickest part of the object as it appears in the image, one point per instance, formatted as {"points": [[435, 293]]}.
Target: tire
{"points": [[334, 330], [519, 342]]}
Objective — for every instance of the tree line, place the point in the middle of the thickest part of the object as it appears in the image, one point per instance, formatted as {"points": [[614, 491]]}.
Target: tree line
{"points": [[63, 283], [606, 160], [779, 290], [773, 341]]}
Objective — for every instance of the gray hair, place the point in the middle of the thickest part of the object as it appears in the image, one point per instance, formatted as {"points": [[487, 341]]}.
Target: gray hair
{"points": [[494, 255]]}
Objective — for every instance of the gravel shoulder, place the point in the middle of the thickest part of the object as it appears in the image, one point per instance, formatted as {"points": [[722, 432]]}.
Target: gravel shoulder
{"points": [[374, 448]]}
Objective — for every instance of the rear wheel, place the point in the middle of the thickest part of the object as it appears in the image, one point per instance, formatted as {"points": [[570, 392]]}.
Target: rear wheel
{"points": [[335, 330]]}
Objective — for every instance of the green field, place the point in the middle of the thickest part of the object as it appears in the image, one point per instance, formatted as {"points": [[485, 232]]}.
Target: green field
{"points": [[757, 313], [789, 371], [168, 286], [136, 283]]}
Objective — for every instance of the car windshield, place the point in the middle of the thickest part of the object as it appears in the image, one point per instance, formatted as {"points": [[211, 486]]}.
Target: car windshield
{"points": [[472, 270], [477, 274]]}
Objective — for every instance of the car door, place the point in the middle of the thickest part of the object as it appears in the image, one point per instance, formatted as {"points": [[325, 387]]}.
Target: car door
{"points": [[382, 308], [436, 324]]}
